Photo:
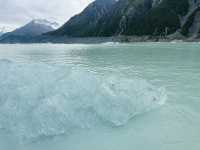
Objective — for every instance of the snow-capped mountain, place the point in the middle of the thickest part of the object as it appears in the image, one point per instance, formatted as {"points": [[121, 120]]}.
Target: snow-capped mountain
{"points": [[54, 25], [34, 28]]}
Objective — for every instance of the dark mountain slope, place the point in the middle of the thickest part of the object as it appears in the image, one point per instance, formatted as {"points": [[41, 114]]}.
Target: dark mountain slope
{"points": [[145, 17], [142, 19], [86, 22], [130, 17]]}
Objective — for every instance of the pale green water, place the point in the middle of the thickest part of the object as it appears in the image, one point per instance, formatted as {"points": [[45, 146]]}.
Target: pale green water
{"points": [[174, 66]]}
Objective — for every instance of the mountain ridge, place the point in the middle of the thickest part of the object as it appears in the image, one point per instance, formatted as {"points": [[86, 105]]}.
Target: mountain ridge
{"points": [[124, 20], [86, 21], [138, 18], [33, 28]]}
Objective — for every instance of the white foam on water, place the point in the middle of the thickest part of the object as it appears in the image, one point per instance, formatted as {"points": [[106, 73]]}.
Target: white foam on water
{"points": [[110, 43], [42, 100]]}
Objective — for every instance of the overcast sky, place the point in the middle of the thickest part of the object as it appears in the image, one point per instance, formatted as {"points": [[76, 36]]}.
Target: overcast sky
{"points": [[14, 13]]}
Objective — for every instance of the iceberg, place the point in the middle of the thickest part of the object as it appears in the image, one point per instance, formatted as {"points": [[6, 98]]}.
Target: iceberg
{"points": [[38, 99]]}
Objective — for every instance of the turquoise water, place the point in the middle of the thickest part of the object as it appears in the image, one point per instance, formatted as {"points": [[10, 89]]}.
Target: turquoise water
{"points": [[100, 97]]}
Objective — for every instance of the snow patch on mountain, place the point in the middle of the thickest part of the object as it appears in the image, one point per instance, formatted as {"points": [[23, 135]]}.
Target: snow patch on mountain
{"points": [[54, 25]]}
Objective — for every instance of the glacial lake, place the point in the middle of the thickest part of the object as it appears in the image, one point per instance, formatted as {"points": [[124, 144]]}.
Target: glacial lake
{"points": [[110, 96]]}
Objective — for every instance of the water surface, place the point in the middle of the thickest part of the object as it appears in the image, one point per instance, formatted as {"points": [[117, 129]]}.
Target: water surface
{"points": [[113, 96]]}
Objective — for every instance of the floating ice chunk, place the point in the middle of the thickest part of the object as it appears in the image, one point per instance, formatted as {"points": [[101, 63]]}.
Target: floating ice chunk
{"points": [[42, 100]]}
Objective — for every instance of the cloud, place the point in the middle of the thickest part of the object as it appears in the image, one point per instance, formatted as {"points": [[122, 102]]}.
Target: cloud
{"points": [[14, 13]]}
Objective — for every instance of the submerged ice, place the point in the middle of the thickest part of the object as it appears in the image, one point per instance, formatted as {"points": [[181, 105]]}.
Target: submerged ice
{"points": [[47, 100]]}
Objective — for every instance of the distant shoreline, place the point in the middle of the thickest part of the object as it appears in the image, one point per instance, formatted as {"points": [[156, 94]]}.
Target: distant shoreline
{"points": [[93, 40]]}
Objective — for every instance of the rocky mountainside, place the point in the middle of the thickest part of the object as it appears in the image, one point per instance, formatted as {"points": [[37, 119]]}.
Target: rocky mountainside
{"points": [[135, 17], [123, 20], [86, 22]]}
